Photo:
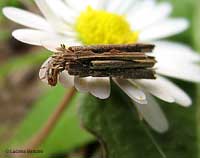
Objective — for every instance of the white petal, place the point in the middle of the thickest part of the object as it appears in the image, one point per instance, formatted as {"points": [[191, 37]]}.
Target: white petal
{"points": [[33, 37], [59, 25], [166, 51], [154, 14], [70, 34], [139, 13], [166, 90], [179, 95], [124, 8], [182, 61], [131, 90], [118, 6], [187, 72], [43, 70], [101, 4], [53, 44], [66, 80], [99, 87], [156, 87], [42, 5], [26, 18], [81, 84], [164, 29], [46, 11], [73, 4], [81, 5], [153, 115], [62, 10]]}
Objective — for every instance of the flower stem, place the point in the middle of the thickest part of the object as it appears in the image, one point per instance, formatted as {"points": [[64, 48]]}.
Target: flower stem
{"points": [[35, 142]]}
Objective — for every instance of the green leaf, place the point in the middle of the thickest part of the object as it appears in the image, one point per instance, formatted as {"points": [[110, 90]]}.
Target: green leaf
{"points": [[196, 24], [183, 8], [66, 136], [116, 124]]}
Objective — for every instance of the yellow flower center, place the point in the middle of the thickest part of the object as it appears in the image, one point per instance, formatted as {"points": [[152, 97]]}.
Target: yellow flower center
{"points": [[101, 27]]}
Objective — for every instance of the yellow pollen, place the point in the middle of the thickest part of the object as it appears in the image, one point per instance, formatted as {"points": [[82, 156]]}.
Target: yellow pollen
{"points": [[101, 27]]}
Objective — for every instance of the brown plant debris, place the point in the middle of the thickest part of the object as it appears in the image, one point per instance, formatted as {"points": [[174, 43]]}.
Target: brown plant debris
{"points": [[129, 61]]}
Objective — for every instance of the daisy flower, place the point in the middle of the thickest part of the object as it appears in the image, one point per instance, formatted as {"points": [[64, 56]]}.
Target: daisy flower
{"points": [[87, 22]]}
